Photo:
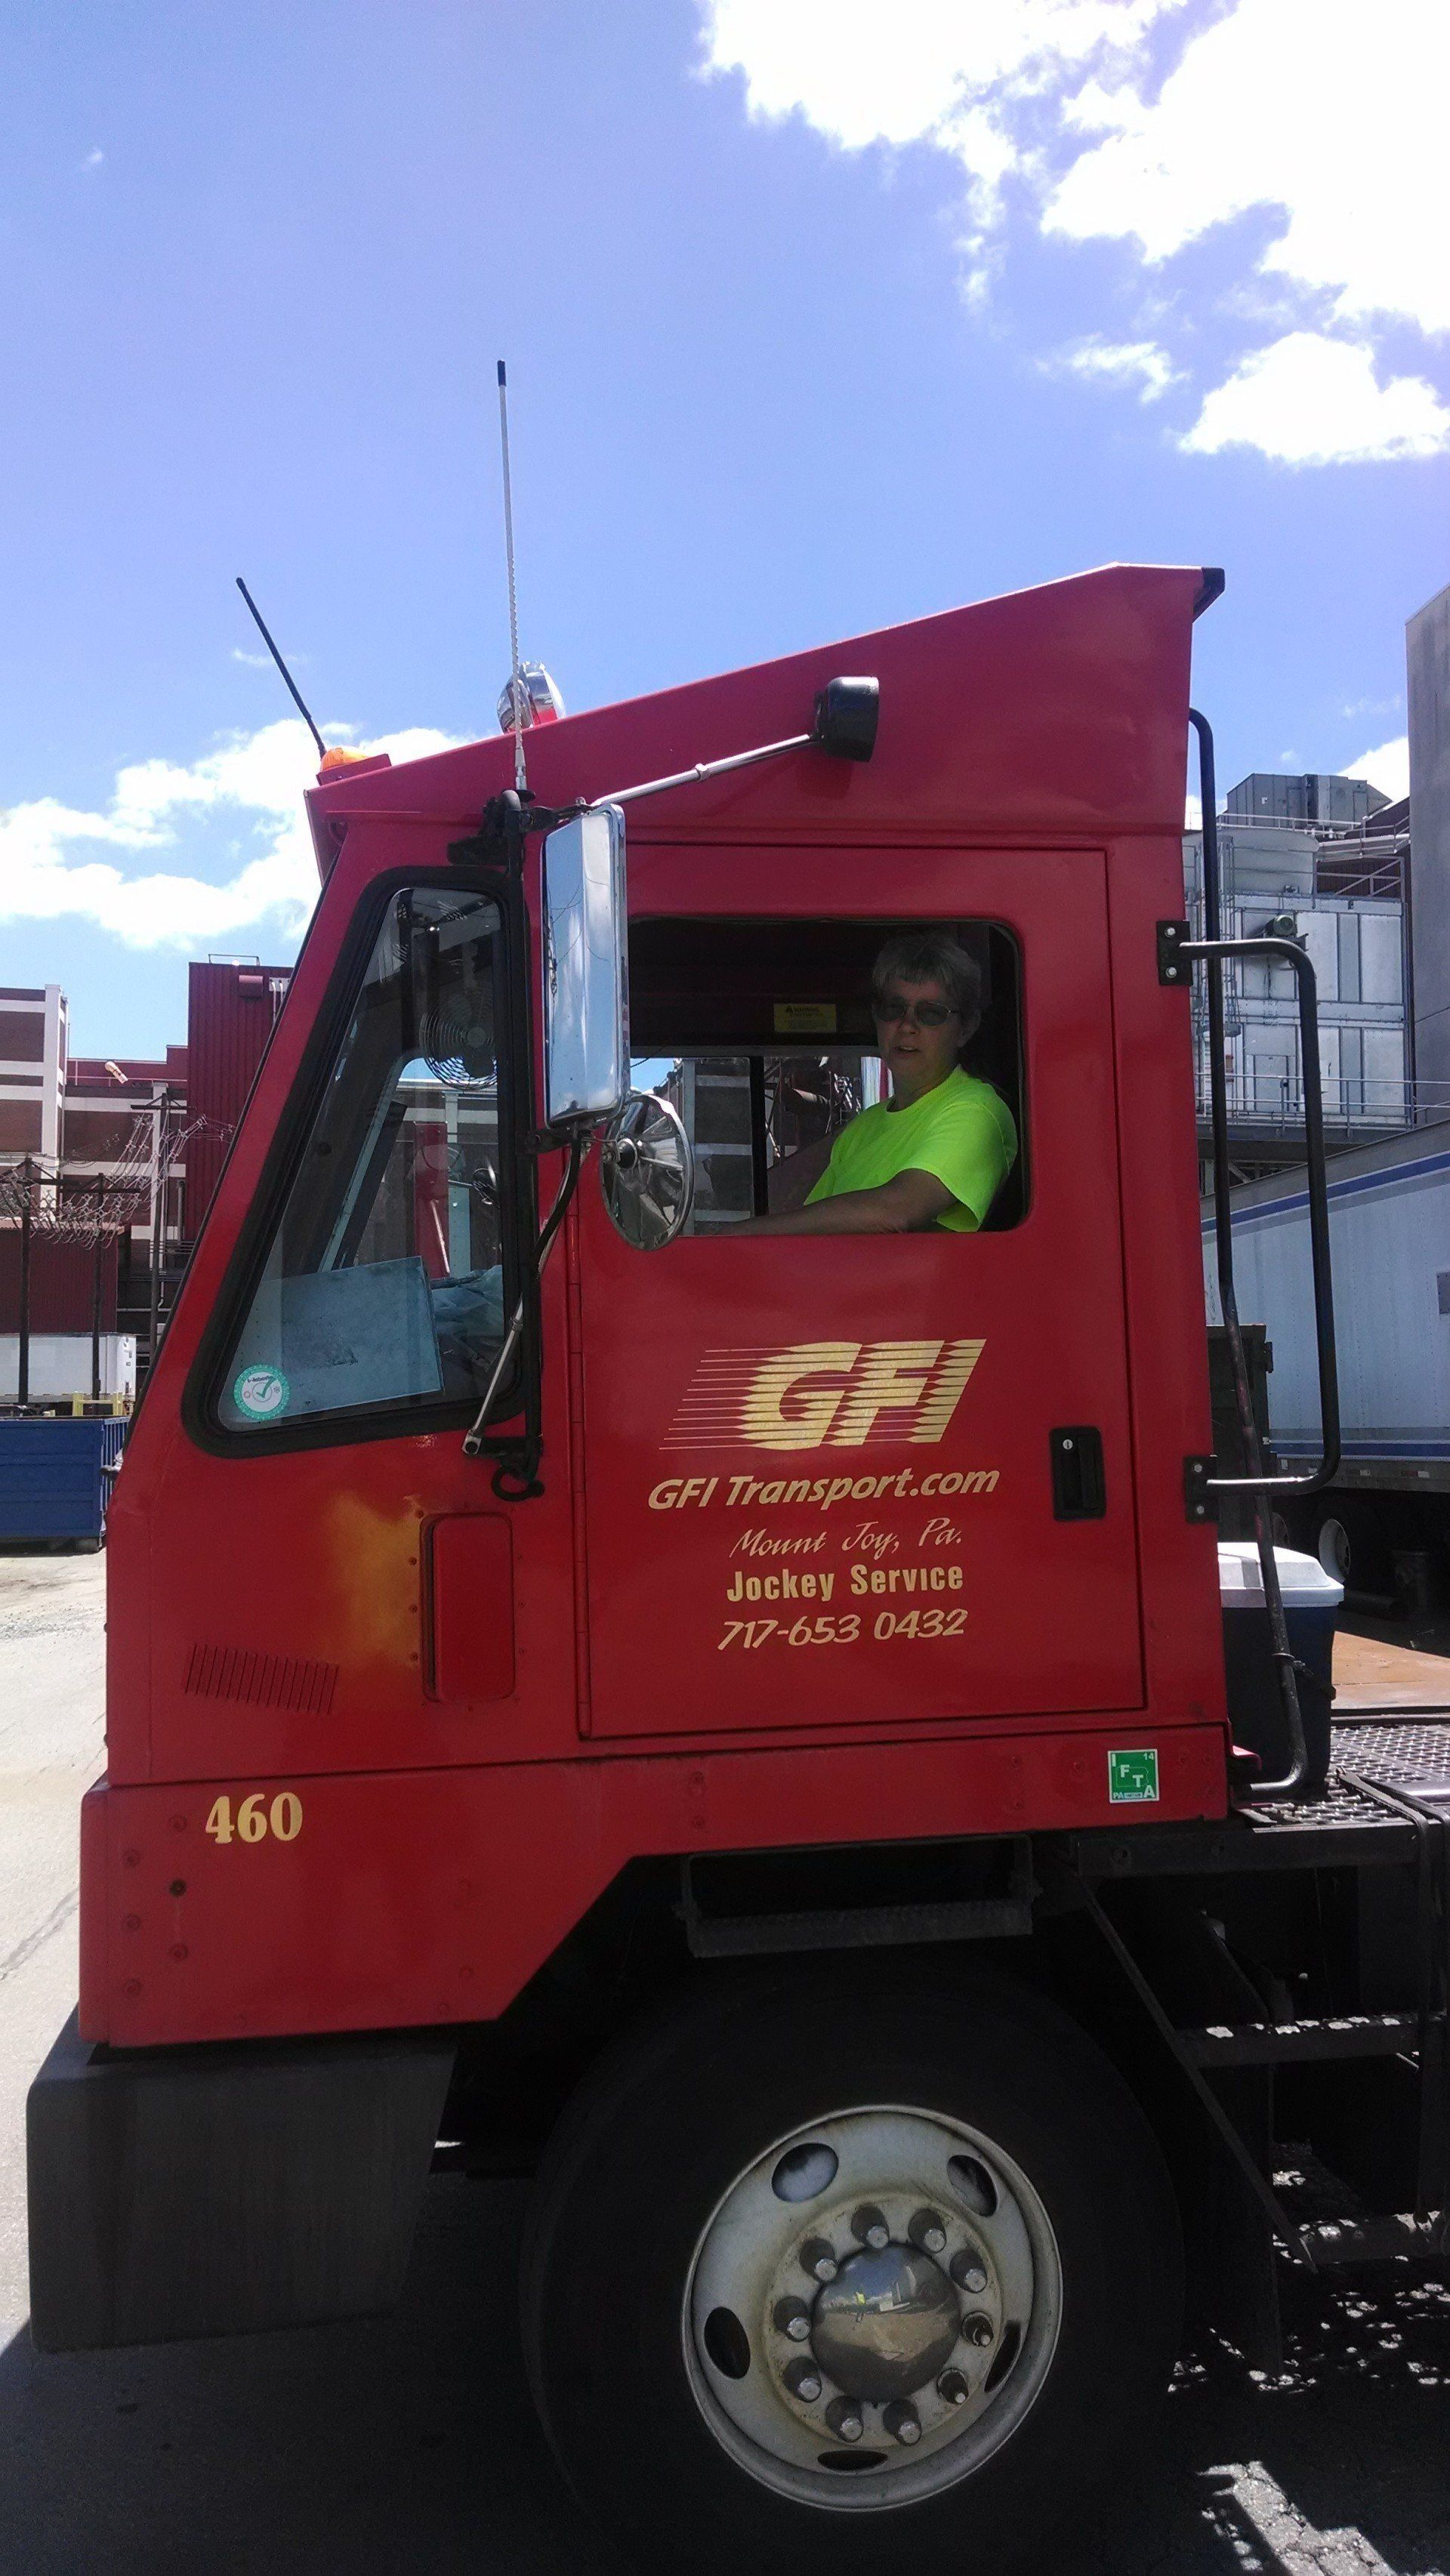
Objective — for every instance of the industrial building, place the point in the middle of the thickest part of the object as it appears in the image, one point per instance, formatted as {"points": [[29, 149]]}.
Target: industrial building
{"points": [[107, 1166], [1323, 860], [1365, 883]]}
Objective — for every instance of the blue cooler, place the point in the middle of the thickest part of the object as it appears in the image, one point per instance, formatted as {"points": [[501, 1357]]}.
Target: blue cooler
{"points": [[1311, 1607]]}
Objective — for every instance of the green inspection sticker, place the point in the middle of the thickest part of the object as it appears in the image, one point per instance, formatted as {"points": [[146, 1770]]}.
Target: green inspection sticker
{"points": [[262, 1393], [1133, 1777]]}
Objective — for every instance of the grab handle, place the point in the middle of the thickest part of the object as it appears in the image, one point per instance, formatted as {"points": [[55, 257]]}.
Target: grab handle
{"points": [[1281, 952]]}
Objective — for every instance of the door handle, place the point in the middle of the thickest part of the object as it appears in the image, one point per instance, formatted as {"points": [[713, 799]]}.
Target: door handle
{"points": [[1079, 1486]]}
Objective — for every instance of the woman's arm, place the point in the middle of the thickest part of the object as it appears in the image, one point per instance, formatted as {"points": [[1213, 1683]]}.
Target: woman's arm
{"points": [[909, 1204], [792, 1181]]}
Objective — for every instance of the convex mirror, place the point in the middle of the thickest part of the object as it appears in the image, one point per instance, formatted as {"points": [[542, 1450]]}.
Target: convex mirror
{"points": [[586, 1011], [647, 1171]]}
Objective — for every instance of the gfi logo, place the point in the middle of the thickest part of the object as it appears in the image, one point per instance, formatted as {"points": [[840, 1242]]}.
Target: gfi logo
{"points": [[812, 1395]]}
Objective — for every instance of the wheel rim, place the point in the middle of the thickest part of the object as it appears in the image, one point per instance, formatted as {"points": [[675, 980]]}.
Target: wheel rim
{"points": [[872, 2308], [1333, 1549]]}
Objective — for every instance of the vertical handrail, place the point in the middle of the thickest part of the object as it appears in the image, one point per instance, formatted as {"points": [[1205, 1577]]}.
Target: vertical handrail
{"points": [[1212, 954], [1282, 1653]]}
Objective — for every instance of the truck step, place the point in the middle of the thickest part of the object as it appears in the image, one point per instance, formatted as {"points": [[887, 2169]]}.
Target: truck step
{"points": [[1373, 2240], [1286, 2043], [742, 1936]]}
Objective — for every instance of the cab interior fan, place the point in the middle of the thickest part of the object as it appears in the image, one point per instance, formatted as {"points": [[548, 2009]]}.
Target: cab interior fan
{"points": [[456, 1052]]}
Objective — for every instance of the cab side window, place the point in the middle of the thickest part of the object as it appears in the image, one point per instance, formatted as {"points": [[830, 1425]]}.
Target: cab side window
{"points": [[760, 1034], [383, 1287]]}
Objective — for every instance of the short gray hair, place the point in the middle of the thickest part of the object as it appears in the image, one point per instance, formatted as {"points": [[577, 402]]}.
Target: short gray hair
{"points": [[922, 956]]}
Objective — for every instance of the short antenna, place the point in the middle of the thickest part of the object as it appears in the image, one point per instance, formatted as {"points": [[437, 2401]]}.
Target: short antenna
{"points": [[302, 708], [520, 774]]}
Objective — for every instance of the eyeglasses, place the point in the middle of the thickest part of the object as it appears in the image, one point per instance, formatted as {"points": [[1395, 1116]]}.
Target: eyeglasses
{"points": [[889, 1007]]}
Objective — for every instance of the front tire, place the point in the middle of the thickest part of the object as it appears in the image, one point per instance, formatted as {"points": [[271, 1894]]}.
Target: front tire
{"points": [[833, 2266]]}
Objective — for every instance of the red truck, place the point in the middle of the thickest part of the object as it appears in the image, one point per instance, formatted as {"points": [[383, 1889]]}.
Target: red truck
{"points": [[541, 1739]]}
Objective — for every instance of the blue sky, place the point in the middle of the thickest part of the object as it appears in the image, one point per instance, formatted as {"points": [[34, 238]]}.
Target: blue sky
{"points": [[817, 315]]}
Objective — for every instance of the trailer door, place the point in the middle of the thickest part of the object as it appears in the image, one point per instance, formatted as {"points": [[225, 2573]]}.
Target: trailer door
{"points": [[865, 1480]]}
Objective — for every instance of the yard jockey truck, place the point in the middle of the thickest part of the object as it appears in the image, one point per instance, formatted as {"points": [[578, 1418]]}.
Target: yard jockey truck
{"points": [[734, 1724]]}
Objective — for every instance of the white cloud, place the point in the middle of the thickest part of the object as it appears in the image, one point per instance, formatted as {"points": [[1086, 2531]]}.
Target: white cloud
{"points": [[252, 786], [1312, 401], [1323, 116], [1117, 362], [1388, 768], [956, 74], [93, 158], [862, 74], [924, 71], [1312, 124]]}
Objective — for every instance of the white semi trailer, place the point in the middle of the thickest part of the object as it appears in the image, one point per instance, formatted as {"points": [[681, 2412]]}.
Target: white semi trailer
{"points": [[64, 1366], [1384, 1526]]}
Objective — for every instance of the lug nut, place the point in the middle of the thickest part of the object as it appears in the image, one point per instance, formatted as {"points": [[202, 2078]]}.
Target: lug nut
{"points": [[977, 2330], [792, 2317], [954, 2387], [869, 2226], [844, 2418], [927, 2231], [902, 2422], [969, 2272], [804, 2381], [819, 2259]]}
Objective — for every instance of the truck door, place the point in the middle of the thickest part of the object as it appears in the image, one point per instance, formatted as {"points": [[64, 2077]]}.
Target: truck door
{"points": [[317, 1578], [859, 1480]]}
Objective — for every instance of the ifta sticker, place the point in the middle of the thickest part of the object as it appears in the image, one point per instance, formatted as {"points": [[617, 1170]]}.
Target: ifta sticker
{"points": [[1133, 1777]]}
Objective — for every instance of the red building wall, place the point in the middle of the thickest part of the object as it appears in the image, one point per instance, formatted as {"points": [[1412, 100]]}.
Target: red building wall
{"points": [[62, 1277], [231, 1011]]}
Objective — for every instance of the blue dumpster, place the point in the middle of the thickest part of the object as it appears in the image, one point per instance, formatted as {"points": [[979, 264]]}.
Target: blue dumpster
{"points": [[52, 1483]]}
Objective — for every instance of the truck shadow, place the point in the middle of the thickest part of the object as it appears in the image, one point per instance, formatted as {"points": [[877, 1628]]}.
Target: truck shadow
{"points": [[409, 2444], [1335, 2462], [406, 2443]]}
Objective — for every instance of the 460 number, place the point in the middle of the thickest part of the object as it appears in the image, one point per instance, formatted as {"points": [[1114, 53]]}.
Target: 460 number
{"points": [[257, 1817]]}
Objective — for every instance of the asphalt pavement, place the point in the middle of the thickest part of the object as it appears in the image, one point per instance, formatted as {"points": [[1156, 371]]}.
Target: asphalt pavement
{"points": [[409, 2444]]}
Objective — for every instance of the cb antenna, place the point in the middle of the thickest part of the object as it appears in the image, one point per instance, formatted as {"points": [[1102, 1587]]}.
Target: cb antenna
{"points": [[520, 774], [302, 708]]}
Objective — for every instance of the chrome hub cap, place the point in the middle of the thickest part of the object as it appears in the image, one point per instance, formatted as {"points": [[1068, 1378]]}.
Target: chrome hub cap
{"points": [[887, 2324], [872, 2308]]}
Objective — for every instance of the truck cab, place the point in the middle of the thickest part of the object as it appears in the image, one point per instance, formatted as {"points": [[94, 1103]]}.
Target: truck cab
{"points": [[316, 1590]]}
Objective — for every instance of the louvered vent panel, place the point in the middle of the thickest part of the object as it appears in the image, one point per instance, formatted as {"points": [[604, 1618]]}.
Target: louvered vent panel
{"points": [[271, 1681]]}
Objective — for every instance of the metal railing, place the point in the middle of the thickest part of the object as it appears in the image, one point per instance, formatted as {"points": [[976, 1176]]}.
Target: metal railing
{"points": [[1384, 883], [1375, 1107], [1323, 827], [1248, 903]]}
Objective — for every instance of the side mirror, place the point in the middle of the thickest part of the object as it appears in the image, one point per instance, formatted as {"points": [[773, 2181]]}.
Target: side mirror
{"points": [[847, 712], [586, 1009]]}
